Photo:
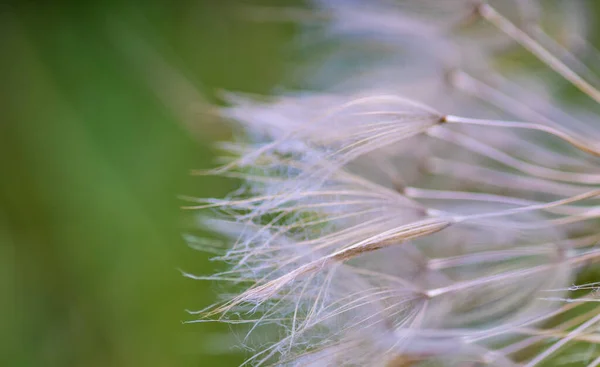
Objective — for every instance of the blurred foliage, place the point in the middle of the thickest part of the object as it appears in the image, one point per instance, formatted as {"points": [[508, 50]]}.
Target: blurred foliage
{"points": [[97, 139]]}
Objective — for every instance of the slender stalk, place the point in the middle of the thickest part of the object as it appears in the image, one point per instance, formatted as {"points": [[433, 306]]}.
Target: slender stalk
{"points": [[490, 152], [595, 362], [570, 336], [494, 17], [501, 179], [577, 142], [534, 207], [436, 292]]}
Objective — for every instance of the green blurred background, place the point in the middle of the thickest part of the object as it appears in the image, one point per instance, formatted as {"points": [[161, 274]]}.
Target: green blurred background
{"points": [[102, 121]]}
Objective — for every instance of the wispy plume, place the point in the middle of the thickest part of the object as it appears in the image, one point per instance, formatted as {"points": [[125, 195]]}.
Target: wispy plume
{"points": [[438, 205]]}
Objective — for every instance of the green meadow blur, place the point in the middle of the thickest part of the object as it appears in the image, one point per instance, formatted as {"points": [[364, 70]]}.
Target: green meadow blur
{"points": [[102, 121]]}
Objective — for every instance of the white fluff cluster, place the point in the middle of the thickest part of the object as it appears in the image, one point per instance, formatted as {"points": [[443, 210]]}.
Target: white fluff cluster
{"points": [[374, 230]]}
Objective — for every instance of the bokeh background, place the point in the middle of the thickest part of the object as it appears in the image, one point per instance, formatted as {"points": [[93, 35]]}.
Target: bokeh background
{"points": [[104, 112], [102, 120]]}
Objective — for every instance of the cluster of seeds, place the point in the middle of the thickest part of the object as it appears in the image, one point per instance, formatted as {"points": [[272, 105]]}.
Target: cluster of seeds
{"points": [[432, 206]]}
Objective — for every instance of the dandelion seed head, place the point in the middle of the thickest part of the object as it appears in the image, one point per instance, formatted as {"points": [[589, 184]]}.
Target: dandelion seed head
{"points": [[374, 229]]}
